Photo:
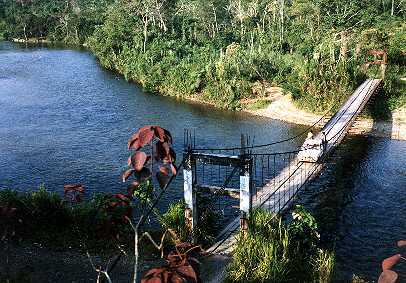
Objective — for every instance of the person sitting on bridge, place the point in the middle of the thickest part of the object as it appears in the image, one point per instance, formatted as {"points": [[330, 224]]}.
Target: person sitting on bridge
{"points": [[311, 149], [309, 135], [324, 141]]}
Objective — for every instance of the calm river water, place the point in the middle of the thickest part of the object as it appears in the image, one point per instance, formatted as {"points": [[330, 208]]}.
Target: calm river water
{"points": [[64, 119]]}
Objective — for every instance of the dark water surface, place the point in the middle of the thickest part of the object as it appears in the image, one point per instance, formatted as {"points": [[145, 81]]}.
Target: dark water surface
{"points": [[360, 202], [63, 119]]}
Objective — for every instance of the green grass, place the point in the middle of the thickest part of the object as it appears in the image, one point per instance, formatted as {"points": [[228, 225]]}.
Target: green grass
{"points": [[276, 251], [323, 266], [174, 219], [263, 254], [259, 104], [46, 217], [2, 29]]}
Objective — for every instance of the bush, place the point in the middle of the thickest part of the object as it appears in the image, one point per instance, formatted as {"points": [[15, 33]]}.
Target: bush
{"points": [[263, 254], [276, 251], [174, 218], [45, 216]]}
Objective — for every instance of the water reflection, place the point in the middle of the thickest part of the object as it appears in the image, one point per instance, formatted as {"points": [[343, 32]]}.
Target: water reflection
{"points": [[360, 202]]}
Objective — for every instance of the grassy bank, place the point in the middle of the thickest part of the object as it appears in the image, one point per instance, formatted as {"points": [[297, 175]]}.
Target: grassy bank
{"points": [[274, 250], [49, 218], [41, 228]]}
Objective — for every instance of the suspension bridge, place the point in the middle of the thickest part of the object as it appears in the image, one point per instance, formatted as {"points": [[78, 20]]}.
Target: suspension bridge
{"points": [[249, 176], [257, 179], [274, 191]]}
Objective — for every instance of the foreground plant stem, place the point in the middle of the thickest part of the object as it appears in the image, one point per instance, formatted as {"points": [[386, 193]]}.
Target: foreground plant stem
{"points": [[136, 252]]}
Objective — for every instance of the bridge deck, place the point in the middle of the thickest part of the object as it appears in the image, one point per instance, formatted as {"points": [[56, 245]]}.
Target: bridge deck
{"points": [[278, 193]]}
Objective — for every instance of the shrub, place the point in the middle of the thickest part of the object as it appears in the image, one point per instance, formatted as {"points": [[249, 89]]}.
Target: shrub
{"points": [[46, 217], [277, 251], [174, 218]]}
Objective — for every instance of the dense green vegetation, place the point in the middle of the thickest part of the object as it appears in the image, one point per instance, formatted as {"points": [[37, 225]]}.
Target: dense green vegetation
{"points": [[55, 20], [47, 217], [214, 51], [278, 251]]}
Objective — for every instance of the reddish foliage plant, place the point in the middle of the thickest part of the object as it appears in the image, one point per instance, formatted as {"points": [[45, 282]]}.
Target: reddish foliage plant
{"points": [[116, 207], [182, 266], [160, 142], [7, 214]]}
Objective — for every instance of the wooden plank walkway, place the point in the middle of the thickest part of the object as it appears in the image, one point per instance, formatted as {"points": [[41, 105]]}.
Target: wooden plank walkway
{"points": [[278, 193]]}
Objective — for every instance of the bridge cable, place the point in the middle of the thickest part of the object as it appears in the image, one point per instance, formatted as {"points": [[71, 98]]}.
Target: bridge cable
{"points": [[268, 144]]}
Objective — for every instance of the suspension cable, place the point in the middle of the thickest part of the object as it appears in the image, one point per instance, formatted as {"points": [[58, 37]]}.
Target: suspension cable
{"points": [[161, 193], [272, 143]]}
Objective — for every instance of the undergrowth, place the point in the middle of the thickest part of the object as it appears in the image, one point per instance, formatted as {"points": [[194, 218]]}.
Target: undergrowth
{"points": [[277, 251], [46, 217]]}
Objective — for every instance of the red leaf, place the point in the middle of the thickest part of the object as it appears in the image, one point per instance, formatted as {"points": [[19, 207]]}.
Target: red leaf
{"points": [[162, 178], [113, 203], [71, 186], [172, 155], [135, 137], [74, 192], [132, 187], [174, 259], [159, 151], [180, 269], [156, 275], [401, 243], [388, 276], [176, 278], [164, 170], [74, 188], [142, 137], [187, 272], [120, 197], [138, 160], [145, 136], [390, 262], [162, 151], [127, 174], [162, 134]]}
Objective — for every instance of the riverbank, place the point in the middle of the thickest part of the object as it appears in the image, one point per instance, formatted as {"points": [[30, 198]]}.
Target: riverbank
{"points": [[282, 108], [274, 103]]}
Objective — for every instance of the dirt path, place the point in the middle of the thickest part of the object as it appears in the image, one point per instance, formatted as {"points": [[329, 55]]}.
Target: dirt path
{"points": [[36, 263]]}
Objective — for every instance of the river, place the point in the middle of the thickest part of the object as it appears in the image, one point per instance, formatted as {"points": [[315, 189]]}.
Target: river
{"points": [[64, 119]]}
